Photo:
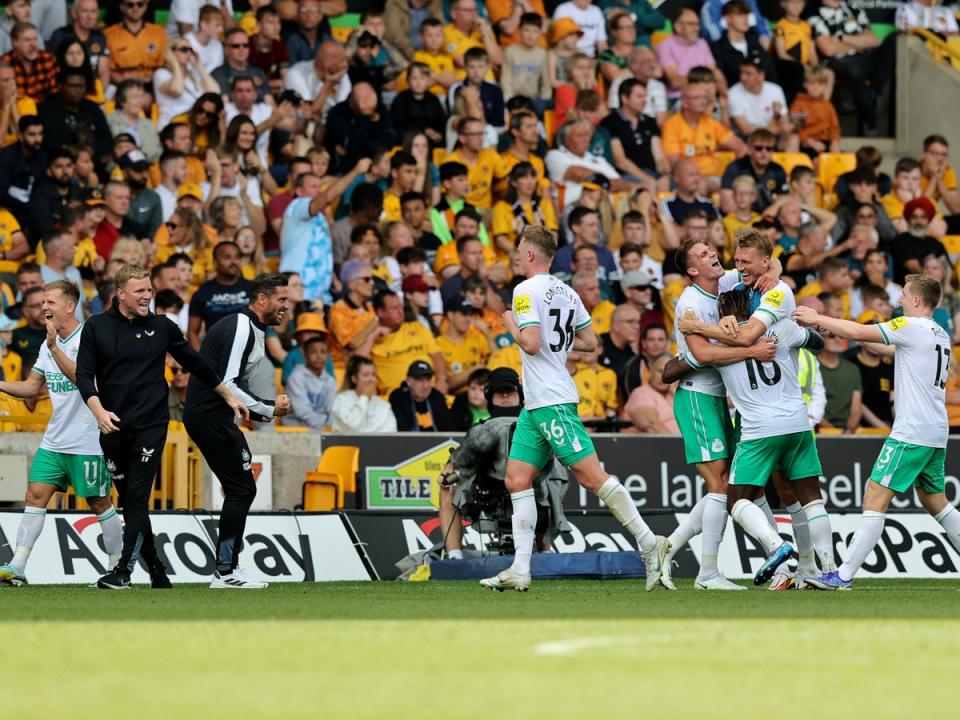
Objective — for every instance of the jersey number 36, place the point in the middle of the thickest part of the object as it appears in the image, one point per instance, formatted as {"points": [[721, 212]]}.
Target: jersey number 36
{"points": [[564, 334]]}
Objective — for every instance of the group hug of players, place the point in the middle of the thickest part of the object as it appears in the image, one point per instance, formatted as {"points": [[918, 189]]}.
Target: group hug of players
{"points": [[740, 334]]}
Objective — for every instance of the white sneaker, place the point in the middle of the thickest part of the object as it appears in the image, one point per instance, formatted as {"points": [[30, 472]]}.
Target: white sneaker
{"points": [[783, 579], [653, 562], [236, 580], [666, 574], [717, 582], [509, 579]]}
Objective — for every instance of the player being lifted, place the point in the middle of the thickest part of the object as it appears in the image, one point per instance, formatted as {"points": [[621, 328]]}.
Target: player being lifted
{"points": [[700, 407], [69, 452], [913, 454], [766, 306], [774, 434], [548, 320]]}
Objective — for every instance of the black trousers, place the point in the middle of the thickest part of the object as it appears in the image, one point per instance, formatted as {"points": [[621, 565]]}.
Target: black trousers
{"points": [[133, 459], [226, 451]]}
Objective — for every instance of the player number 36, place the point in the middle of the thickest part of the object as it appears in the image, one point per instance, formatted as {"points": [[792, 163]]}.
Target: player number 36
{"points": [[555, 431]]}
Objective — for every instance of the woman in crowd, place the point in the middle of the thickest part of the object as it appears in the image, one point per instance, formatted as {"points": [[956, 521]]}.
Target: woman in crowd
{"points": [[875, 267], [947, 313], [522, 207], [206, 122], [251, 151], [582, 71], [226, 216], [357, 407], [181, 82], [131, 103], [428, 176], [73, 54], [252, 260], [622, 31], [129, 251], [188, 235]]}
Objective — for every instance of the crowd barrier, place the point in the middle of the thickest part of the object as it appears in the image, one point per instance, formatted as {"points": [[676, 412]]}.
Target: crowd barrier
{"points": [[365, 545]]}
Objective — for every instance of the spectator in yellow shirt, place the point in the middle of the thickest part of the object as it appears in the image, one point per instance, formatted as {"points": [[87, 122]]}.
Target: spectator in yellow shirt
{"points": [[936, 169], [467, 30], [596, 385], [522, 207], [743, 216], [404, 343], [466, 342], [587, 286], [834, 278], [484, 165], [435, 56], [403, 177]]}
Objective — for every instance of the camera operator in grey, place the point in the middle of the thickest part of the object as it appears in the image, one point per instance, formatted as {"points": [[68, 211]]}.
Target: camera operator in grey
{"points": [[482, 456]]}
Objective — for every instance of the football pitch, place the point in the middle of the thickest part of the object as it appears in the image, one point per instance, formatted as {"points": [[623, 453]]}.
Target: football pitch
{"points": [[566, 649]]}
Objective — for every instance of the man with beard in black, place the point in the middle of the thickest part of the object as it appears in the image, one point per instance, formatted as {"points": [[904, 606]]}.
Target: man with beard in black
{"points": [[21, 165], [52, 194], [146, 208], [70, 119]]}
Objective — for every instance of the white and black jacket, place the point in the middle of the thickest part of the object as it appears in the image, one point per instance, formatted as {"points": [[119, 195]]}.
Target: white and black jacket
{"points": [[233, 347]]}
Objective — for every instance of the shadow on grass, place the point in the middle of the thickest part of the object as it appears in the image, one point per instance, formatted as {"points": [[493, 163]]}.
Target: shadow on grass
{"points": [[548, 600]]}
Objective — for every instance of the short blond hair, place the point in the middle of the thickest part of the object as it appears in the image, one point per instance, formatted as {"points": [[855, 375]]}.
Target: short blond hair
{"points": [[926, 288], [749, 238], [818, 74], [744, 180], [542, 239], [128, 273]]}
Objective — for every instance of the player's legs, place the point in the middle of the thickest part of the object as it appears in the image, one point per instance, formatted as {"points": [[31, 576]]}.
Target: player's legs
{"points": [[37, 498], [798, 521], [944, 513], [90, 480]]}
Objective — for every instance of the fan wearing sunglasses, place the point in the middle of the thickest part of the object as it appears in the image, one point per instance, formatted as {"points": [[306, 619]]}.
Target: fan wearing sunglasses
{"points": [[137, 48], [758, 164], [181, 81]]}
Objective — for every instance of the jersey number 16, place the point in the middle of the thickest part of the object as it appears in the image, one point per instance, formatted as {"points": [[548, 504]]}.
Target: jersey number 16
{"points": [[564, 334]]}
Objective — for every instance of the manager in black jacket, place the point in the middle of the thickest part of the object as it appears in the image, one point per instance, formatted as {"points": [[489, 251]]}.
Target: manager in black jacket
{"points": [[120, 375], [234, 347]]}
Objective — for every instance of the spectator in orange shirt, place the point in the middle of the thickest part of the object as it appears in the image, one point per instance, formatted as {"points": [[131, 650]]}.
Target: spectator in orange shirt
{"points": [[814, 114], [137, 48], [353, 323], [35, 70]]}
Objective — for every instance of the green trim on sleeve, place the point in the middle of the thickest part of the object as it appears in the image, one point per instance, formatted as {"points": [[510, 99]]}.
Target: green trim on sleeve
{"points": [[886, 340], [38, 370], [528, 324], [588, 323], [691, 360], [768, 312]]}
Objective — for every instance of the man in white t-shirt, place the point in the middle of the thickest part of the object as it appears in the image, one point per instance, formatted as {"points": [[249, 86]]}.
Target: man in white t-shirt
{"points": [[185, 14], [756, 103], [205, 40], [243, 101], [914, 454], [573, 164], [69, 454], [642, 62], [323, 82], [589, 18], [548, 321]]}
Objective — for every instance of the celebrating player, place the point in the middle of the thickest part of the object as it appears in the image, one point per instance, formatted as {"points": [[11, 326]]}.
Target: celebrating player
{"points": [[913, 454], [700, 408], [774, 434], [69, 452], [549, 320], [234, 347]]}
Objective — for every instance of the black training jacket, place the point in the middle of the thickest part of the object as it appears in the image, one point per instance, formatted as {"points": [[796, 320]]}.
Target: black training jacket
{"points": [[233, 347], [122, 361]]}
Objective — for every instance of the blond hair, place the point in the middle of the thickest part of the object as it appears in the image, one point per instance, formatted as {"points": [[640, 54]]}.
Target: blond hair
{"points": [[128, 273], [926, 288], [747, 238], [541, 239]]}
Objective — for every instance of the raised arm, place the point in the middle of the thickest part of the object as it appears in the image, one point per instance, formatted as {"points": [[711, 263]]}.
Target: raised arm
{"points": [[844, 328]]}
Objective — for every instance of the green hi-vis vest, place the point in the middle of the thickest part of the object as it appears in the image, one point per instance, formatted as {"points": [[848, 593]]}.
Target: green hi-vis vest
{"points": [[808, 374]]}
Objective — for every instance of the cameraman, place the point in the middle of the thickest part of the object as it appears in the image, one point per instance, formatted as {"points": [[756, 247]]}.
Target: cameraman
{"points": [[482, 457]]}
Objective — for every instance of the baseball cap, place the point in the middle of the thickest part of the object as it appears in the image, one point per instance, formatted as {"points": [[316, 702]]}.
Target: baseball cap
{"points": [[310, 322], [133, 159], [190, 190], [92, 197], [124, 137], [754, 58], [502, 379], [414, 283], [368, 38], [419, 369], [596, 182], [461, 305], [635, 278], [563, 27]]}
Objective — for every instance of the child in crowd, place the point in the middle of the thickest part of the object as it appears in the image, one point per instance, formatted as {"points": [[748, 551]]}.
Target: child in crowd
{"points": [[311, 388], [794, 47], [633, 253], [477, 64], [743, 216], [565, 37], [433, 56], [814, 114], [205, 41], [524, 70]]}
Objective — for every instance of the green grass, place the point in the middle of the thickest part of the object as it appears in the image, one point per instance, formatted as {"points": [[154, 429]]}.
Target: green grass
{"points": [[567, 649]]}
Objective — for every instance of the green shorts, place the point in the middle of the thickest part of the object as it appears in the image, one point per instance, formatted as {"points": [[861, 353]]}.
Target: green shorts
{"points": [[545, 431], [704, 422], [85, 473], [902, 465], [794, 454]]}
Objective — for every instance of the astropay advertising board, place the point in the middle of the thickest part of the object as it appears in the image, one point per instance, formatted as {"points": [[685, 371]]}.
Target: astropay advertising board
{"points": [[277, 548]]}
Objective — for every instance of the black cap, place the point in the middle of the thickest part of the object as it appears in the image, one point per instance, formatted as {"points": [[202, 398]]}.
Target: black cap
{"points": [[754, 58], [368, 38], [461, 305], [502, 379], [133, 159], [768, 223], [419, 369], [600, 182], [124, 137]]}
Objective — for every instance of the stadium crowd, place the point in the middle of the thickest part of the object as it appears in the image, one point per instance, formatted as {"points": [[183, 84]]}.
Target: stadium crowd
{"points": [[387, 169]]}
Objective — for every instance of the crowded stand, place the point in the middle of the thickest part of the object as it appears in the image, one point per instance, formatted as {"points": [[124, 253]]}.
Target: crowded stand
{"points": [[386, 158]]}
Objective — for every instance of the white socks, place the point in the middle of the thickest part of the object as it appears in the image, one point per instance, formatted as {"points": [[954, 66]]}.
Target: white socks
{"points": [[524, 528], [615, 496], [689, 527], [31, 525], [818, 523], [112, 532], [801, 534], [761, 502], [750, 516], [714, 523], [864, 540], [949, 519]]}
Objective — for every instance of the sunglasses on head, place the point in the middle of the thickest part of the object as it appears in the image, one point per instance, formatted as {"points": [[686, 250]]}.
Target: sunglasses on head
{"points": [[763, 148]]}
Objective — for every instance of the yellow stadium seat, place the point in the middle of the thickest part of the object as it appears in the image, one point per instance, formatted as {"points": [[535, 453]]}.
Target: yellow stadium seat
{"points": [[830, 431], [658, 37], [341, 34], [344, 461], [830, 166], [872, 431], [290, 428], [789, 160], [951, 244], [550, 124], [321, 491], [722, 158]]}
